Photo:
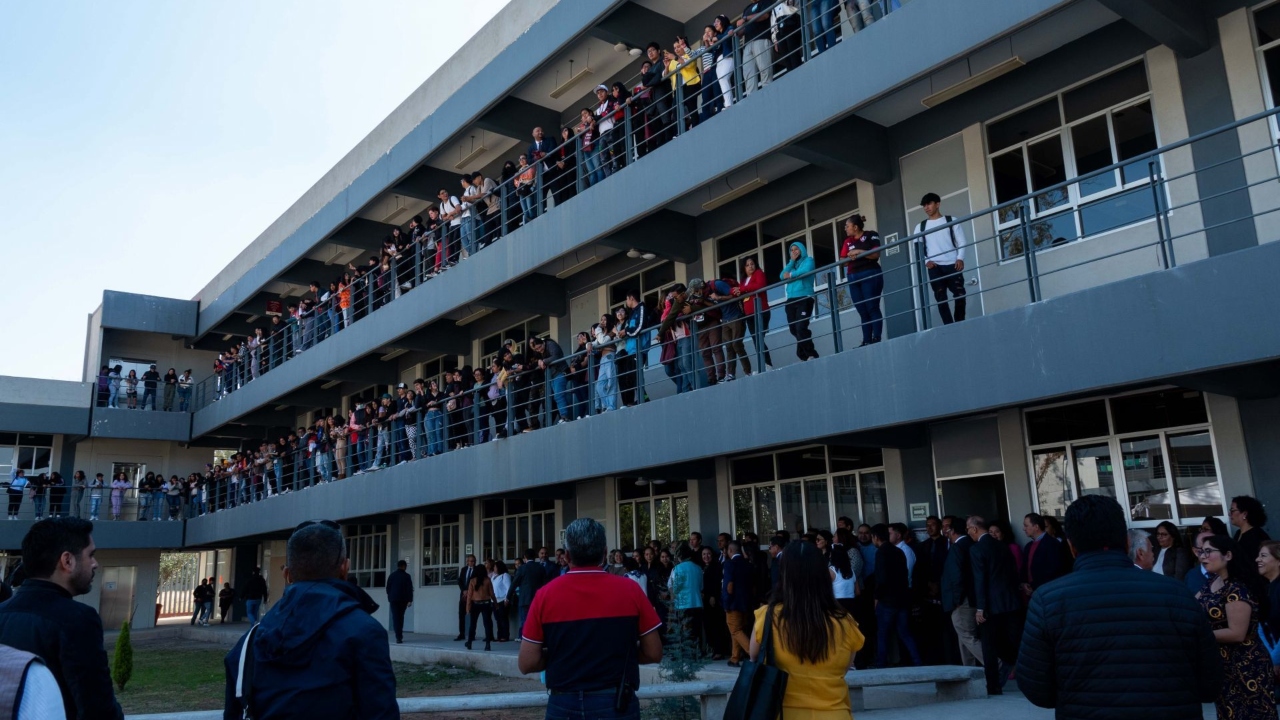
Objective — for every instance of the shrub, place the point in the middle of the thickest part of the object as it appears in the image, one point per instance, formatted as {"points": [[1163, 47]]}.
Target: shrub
{"points": [[122, 662]]}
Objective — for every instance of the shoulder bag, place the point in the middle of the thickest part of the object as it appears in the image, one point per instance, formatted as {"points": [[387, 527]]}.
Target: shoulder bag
{"points": [[758, 693]]}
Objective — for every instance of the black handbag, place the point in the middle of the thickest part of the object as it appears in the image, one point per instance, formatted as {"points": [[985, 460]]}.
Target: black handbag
{"points": [[758, 692]]}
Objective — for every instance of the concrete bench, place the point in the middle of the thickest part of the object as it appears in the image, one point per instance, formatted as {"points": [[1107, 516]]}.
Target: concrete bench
{"points": [[951, 682]]}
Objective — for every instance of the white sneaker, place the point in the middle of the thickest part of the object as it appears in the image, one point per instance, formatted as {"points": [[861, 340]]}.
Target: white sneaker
{"points": [[728, 378]]}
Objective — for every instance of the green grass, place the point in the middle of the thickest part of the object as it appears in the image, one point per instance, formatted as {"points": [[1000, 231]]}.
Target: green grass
{"points": [[175, 676]]}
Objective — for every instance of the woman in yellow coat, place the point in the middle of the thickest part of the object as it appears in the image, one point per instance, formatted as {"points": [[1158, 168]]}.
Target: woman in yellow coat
{"points": [[814, 639]]}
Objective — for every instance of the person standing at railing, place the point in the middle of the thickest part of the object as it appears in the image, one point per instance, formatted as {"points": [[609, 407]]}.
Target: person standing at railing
{"points": [[184, 390], [78, 484], [757, 53], [724, 55], [131, 389], [470, 196], [603, 114], [113, 386], [150, 380], [689, 76], [488, 219], [712, 100], [944, 258], [800, 299], [732, 325], [707, 324], [659, 103], [677, 350], [100, 398], [785, 31], [119, 486], [17, 486], [636, 329], [861, 247], [823, 23], [753, 281], [170, 389], [607, 394], [450, 211], [356, 423]]}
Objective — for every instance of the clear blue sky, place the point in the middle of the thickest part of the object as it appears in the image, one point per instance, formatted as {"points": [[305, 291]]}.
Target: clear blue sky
{"points": [[144, 144]]}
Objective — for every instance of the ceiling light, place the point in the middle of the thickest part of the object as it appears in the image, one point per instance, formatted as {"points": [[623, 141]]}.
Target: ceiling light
{"points": [[973, 81], [634, 52], [648, 256], [633, 253], [621, 47]]}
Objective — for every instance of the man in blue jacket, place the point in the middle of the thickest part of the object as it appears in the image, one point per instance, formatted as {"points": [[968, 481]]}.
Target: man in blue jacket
{"points": [[1111, 641], [800, 299], [319, 652], [735, 596]]}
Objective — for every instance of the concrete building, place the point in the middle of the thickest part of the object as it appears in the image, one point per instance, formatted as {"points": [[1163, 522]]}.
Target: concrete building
{"points": [[1129, 354]]}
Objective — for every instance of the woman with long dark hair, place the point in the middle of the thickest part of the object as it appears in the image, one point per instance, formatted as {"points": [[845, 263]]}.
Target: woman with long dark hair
{"points": [[480, 602], [1172, 558], [813, 637], [1233, 615], [843, 580], [713, 617]]}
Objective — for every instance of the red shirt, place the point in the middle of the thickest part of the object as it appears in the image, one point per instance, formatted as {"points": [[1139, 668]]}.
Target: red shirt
{"points": [[590, 622], [751, 283]]}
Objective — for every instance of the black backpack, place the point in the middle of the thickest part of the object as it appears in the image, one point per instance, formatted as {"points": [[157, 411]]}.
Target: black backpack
{"points": [[951, 229]]}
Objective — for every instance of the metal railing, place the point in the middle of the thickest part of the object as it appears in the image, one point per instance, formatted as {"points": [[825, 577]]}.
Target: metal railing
{"points": [[648, 111], [123, 392], [695, 349], [104, 504]]}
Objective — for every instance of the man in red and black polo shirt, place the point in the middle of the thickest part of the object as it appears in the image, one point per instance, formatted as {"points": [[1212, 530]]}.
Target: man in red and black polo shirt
{"points": [[590, 631]]}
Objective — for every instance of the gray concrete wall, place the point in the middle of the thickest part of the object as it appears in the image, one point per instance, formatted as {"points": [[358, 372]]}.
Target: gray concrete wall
{"points": [[1041, 356], [44, 406], [142, 424], [148, 313], [1260, 422]]}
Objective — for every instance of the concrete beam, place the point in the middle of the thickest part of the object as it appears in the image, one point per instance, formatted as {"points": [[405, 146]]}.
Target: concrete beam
{"points": [[425, 183], [269, 418], [854, 147], [257, 305], [1180, 24], [442, 336], [370, 370], [363, 234], [637, 26], [516, 118], [311, 398], [666, 233], [1251, 382], [306, 270], [538, 294], [234, 325]]}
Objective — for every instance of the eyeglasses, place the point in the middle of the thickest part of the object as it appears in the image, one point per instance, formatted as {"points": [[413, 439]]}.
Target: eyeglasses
{"points": [[327, 523]]}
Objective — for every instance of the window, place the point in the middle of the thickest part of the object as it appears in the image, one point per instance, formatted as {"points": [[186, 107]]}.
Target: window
{"points": [[816, 223], [518, 334], [651, 510], [441, 549], [509, 527], [1102, 122], [651, 284], [137, 365], [1162, 439], [807, 488], [1266, 24], [25, 451], [368, 552]]}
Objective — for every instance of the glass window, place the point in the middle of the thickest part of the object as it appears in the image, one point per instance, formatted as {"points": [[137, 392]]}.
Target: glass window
{"points": [[752, 470], [1195, 475], [817, 506], [845, 488], [1145, 479], [792, 508], [627, 527], [1068, 422], [1010, 177], [766, 511], [845, 459], [1162, 409], [1267, 20], [1094, 473], [1135, 129], [1105, 92], [804, 462], [875, 499], [743, 511], [834, 205], [1048, 168], [662, 520], [680, 507], [737, 243], [815, 224], [368, 551], [1092, 142], [1053, 486], [1117, 211], [1023, 125]]}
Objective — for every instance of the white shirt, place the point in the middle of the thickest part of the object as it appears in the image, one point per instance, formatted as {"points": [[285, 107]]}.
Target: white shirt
{"points": [[452, 205], [501, 586], [938, 246], [41, 697], [911, 559], [1159, 566], [842, 586], [469, 198]]}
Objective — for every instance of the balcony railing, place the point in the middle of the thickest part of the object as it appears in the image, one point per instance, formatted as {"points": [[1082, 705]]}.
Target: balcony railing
{"points": [[625, 125], [693, 348]]}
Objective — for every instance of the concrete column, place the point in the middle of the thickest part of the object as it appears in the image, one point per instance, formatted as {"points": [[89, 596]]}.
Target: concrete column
{"points": [[1017, 474]]}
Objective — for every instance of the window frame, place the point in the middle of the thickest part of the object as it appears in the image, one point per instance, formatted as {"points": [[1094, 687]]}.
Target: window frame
{"points": [[362, 553], [446, 565], [500, 523], [829, 476], [1075, 202], [1114, 441], [1264, 76], [652, 502], [487, 359]]}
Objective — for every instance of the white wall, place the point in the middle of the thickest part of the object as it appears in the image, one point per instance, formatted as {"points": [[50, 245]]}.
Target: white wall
{"points": [[146, 584]]}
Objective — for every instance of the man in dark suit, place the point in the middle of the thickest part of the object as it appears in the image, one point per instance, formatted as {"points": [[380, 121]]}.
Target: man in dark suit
{"points": [[464, 579], [935, 641], [1196, 577], [957, 591], [776, 545], [738, 602], [400, 597], [529, 577], [893, 597], [1043, 554], [996, 605]]}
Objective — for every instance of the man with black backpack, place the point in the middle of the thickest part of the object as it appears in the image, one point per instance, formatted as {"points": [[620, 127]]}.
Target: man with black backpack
{"points": [[944, 258]]}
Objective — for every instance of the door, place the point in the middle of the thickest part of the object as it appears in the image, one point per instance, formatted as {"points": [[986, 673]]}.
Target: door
{"points": [[982, 495], [116, 603]]}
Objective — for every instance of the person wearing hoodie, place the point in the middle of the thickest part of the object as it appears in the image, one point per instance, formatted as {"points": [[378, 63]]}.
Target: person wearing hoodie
{"points": [[800, 299], [319, 652]]}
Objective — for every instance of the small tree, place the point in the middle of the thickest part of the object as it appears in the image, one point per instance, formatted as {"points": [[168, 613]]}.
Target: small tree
{"points": [[122, 663], [682, 658]]}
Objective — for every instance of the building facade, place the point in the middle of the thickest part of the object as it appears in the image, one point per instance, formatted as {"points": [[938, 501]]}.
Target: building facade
{"points": [[1111, 170]]}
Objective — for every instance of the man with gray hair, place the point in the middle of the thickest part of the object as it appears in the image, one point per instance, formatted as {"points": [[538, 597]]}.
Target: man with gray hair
{"points": [[319, 652], [1140, 553], [590, 631]]}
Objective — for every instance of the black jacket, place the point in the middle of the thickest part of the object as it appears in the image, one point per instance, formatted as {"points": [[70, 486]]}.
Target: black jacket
{"points": [[1112, 641], [1045, 564], [957, 575], [41, 618], [464, 576], [255, 588], [529, 577], [318, 654], [891, 577], [399, 587], [995, 577]]}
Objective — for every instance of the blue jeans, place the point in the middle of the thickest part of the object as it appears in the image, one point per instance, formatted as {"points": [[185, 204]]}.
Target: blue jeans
{"points": [[823, 13], [144, 504], [865, 288], [578, 399], [468, 229], [560, 393], [684, 364], [891, 621], [184, 399], [592, 173], [148, 396], [435, 432], [38, 501], [113, 393], [94, 504], [279, 472], [597, 706], [529, 204], [607, 383], [324, 466], [253, 607]]}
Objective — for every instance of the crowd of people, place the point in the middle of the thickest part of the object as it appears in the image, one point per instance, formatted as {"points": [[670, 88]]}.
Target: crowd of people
{"points": [[678, 87], [176, 394]]}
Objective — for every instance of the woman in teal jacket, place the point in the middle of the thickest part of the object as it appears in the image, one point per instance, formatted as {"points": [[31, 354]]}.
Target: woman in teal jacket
{"points": [[800, 299]]}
